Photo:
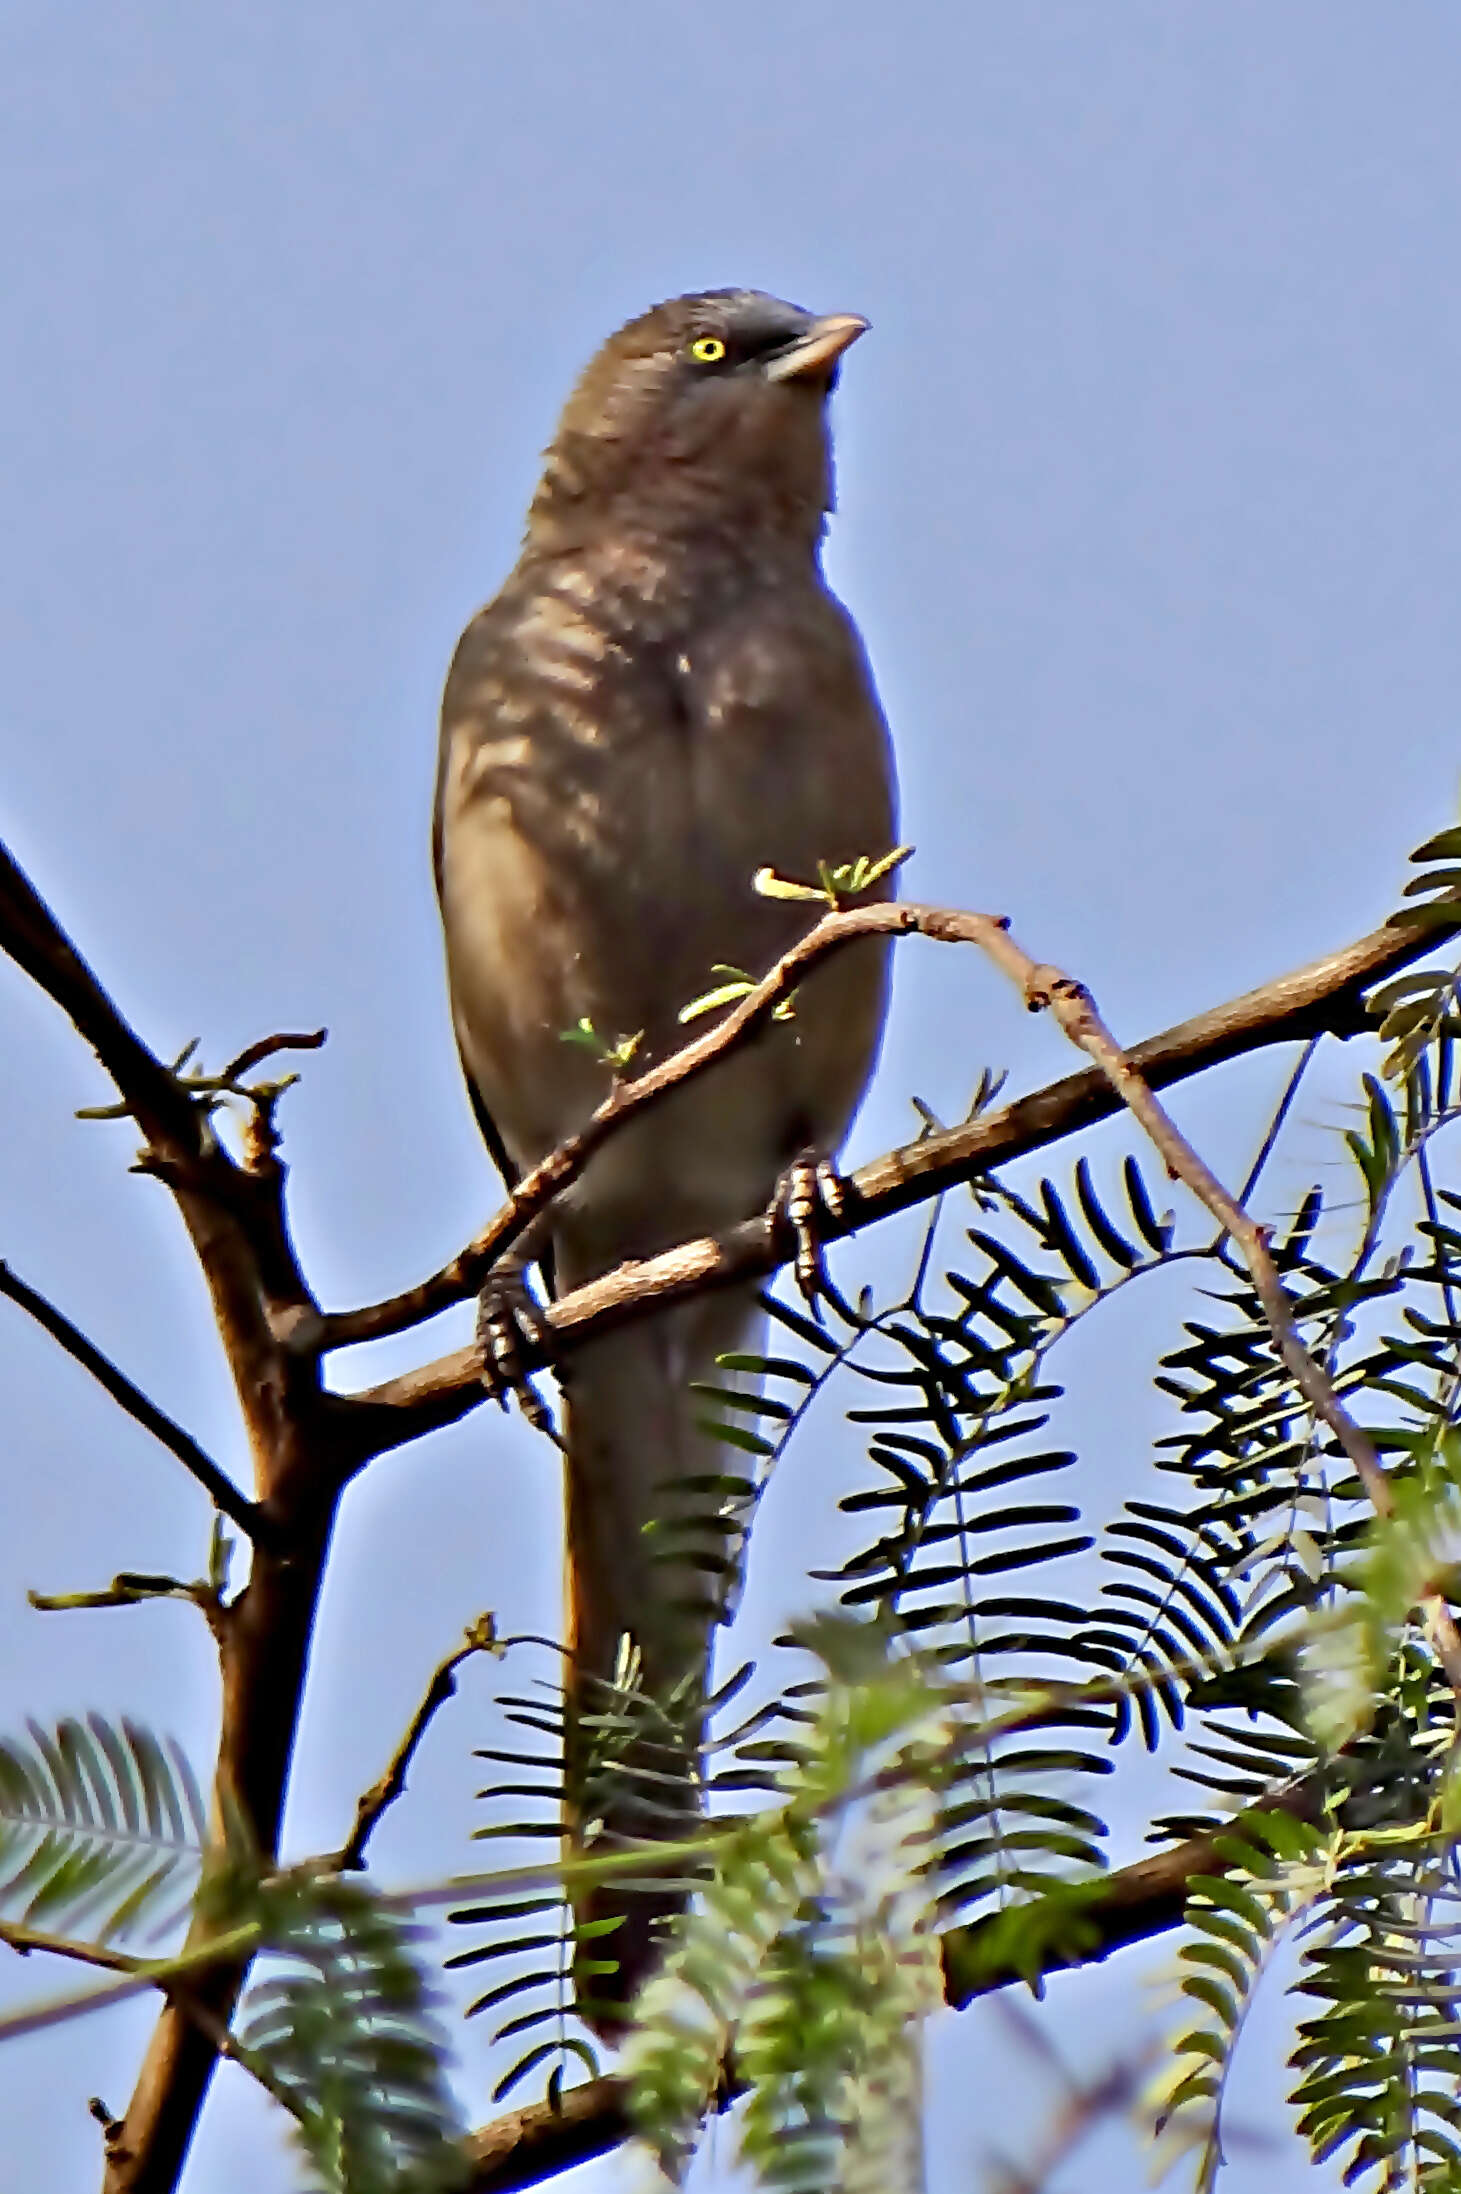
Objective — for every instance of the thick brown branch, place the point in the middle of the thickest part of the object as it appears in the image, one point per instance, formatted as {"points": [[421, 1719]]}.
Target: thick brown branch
{"points": [[1324, 996], [235, 1217], [526, 2146], [264, 1644], [33, 938], [220, 1488]]}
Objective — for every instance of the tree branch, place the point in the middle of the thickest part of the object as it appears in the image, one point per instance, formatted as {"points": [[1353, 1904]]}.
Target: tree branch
{"points": [[236, 1219], [1075, 1009], [219, 1487], [481, 1637], [1324, 996], [305, 1443], [1321, 998], [26, 1939], [527, 2146]]}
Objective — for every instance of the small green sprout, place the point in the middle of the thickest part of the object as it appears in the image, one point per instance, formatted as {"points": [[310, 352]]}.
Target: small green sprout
{"points": [[616, 1055], [836, 885]]}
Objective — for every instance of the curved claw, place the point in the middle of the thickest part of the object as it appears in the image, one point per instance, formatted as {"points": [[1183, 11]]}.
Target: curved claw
{"points": [[809, 1192], [508, 1319]]}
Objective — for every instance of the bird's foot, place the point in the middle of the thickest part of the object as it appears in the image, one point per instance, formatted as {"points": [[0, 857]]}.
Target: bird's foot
{"points": [[809, 1194], [508, 1320]]}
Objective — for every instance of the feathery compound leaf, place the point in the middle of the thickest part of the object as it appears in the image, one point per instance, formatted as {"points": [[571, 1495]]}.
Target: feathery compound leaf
{"points": [[688, 2010], [1156, 1233], [810, 1949], [348, 2034], [1375, 2061], [1279, 1873], [1345, 1662], [1062, 1238], [1115, 1244], [102, 1826]]}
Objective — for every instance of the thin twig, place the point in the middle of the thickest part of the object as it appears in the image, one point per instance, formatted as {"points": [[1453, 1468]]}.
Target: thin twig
{"points": [[1074, 1008], [27, 1939], [1084, 2107], [130, 1588], [481, 1637], [1323, 996], [219, 1487], [264, 1047], [1275, 1126]]}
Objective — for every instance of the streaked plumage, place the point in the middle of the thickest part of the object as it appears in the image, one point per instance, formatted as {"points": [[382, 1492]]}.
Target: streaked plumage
{"points": [[663, 698]]}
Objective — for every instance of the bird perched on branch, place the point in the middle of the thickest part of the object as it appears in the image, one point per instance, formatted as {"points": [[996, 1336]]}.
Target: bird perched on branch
{"points": [[663, 699]]}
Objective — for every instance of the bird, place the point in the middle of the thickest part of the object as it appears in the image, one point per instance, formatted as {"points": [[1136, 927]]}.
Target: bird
{"points": [[663, 699]]}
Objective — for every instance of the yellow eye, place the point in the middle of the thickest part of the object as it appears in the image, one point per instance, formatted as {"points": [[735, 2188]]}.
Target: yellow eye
{"points": [[707, 350]]}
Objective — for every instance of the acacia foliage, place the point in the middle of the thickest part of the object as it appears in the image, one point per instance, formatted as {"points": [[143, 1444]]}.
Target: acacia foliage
{"points": [[991, 1644]]}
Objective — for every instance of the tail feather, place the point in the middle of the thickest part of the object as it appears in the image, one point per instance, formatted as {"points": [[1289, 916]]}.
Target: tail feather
{"points": [[649, 1551]]}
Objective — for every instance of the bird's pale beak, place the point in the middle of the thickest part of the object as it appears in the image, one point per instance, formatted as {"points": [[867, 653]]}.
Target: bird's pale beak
{"points": [[818, 350]]}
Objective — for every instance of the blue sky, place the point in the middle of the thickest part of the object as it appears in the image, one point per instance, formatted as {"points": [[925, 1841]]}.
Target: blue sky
{"points": [[1151, 515]]}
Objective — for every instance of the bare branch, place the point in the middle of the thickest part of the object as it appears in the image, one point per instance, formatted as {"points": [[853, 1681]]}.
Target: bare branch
{"points": [[1325, 996], [131, 1588], [1322, 997], [26, 1939], [1075, 1009], [219, 1487], [481, 1637], [235, 1216], [235, 1219], [33, 938], [263, 1048], [526, 2146]]}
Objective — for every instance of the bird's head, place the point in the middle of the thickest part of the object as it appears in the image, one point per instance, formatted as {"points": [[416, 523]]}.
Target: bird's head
{"points": [[706, 409]]}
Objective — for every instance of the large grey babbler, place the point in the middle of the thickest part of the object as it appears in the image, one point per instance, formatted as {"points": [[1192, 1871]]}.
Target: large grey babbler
{"points": [[663, 699]]}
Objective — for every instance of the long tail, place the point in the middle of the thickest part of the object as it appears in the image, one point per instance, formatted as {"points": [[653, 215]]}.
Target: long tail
{"points": [[649, 1549]]}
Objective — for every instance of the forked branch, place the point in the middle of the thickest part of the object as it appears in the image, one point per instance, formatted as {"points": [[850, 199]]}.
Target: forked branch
{"points": [[1327, 995], [1323, 997], [305, 1443]]}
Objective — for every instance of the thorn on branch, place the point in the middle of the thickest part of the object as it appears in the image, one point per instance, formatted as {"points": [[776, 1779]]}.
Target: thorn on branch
{"points": [[111, 2126]]}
